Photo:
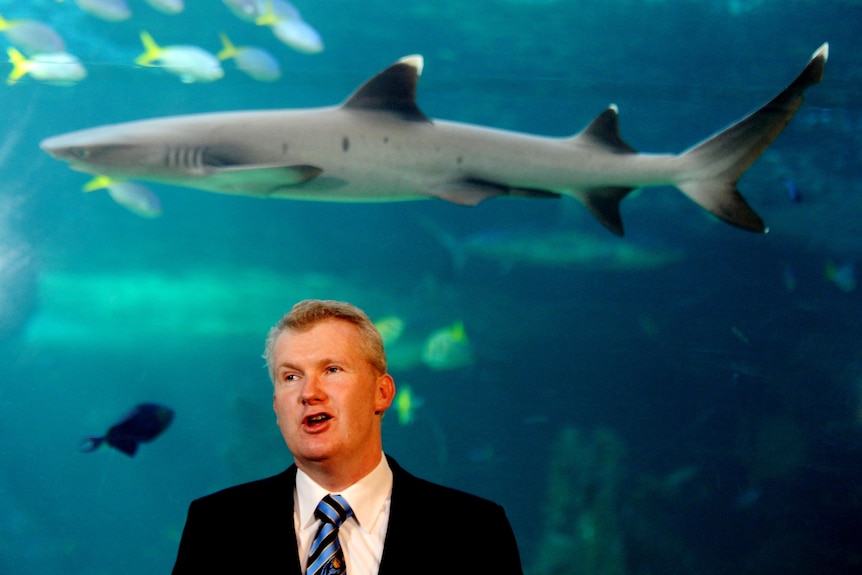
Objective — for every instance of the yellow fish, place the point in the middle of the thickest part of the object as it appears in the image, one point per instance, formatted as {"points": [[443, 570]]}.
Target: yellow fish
{"points": [[190, 63], [405, 404], [287, 25], [32, 36], [59, 68], [256, 62], [135, 197], [448, 348], [109, 10], [390, 327]]}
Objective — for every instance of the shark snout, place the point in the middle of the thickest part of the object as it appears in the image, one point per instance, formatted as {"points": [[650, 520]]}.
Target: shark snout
{"points": [[49, 146], [57, 147], [70, 150]]}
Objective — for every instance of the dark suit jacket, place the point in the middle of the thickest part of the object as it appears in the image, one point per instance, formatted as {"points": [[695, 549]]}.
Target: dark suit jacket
{"points": [[432, 529]]}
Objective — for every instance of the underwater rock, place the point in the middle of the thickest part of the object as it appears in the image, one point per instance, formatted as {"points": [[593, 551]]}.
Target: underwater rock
{"points": [[582, 534]]}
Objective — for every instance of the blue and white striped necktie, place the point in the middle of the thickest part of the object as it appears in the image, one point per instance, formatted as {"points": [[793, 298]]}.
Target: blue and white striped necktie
{"points": [[326, 556]]}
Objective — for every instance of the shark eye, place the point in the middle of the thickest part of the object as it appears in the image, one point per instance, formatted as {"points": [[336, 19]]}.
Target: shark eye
{"points": [[81, 153]]}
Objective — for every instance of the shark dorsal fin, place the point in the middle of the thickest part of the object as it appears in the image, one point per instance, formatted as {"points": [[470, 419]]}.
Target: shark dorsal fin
{"points": [[392, 90], [604, 131]]}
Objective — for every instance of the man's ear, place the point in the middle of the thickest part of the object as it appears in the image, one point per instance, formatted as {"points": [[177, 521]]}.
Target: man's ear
{"points": [[385, 393]]}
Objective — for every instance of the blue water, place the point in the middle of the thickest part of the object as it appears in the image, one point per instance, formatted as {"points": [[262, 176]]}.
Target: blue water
{"points": [[702, 417]]}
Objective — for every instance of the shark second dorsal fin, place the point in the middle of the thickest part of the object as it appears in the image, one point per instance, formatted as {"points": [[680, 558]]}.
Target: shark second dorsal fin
{"points": [[392, 90]]}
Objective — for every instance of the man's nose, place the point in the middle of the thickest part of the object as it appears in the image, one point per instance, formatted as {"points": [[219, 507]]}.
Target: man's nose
{"points": [[312, 390]]}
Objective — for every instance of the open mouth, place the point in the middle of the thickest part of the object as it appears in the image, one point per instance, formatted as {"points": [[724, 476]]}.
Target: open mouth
{"points": [[317, 419]]}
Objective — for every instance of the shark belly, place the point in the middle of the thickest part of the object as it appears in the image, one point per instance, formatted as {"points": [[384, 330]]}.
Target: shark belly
{"points": [[369, 156]]}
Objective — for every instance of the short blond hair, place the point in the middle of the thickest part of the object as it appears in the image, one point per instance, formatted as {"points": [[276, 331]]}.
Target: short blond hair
{"points": [[308, 313]]}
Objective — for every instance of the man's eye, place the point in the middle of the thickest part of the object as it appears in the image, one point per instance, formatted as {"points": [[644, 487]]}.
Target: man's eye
{"points": [[333, 369]]}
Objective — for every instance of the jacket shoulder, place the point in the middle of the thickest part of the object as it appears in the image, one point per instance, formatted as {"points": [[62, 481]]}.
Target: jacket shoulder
{"points": [[433, 495], [426, 517], [239, 529], [250, 495]]}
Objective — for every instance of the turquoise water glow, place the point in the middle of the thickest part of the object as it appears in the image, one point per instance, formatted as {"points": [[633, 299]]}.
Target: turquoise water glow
{"points": [[699, 416]]}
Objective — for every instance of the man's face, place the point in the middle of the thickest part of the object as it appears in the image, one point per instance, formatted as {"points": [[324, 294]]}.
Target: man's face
{"points": [[328, 398]]}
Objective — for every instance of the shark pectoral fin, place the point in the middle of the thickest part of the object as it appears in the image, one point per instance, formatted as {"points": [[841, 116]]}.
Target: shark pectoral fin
{"points": [[467, 192], [471, 191], [604, 204], [261, 179]]}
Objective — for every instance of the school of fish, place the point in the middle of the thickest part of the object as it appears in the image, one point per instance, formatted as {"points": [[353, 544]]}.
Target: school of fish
{"points": [[38, 51]]}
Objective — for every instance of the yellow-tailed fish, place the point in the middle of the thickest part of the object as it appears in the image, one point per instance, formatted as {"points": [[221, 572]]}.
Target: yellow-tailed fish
{"points": [[190, 63], [135, 197], [299, 35], [270, 12], [406, 403], [58, 68], [390, 327], [448, 348], [110, 10], [288, 26], [256, 62], [248, 10], [167, 6], [32, 36]]}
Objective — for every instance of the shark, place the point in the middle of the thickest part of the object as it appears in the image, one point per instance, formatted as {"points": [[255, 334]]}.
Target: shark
{"points": [[378, 146]]}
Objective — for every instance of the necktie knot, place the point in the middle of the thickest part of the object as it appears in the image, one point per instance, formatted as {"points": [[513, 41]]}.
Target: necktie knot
{"points": [[333, 509]]}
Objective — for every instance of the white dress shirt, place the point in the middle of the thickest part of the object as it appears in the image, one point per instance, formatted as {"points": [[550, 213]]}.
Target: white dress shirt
{"points": [[362, 535]]}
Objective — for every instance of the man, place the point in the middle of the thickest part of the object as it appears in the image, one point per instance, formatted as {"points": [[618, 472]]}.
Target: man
{"points": [[331, 389]]}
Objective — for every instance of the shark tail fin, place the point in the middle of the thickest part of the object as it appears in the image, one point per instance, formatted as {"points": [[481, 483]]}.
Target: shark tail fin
{"points": [[152, 51], [712, 168]]}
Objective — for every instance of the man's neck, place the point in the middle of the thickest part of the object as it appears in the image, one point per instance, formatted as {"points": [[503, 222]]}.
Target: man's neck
{"points": [[337, 477]]}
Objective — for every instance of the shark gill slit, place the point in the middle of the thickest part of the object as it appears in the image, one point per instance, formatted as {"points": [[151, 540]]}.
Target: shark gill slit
{"points": [[197, 158], [175, 157]]}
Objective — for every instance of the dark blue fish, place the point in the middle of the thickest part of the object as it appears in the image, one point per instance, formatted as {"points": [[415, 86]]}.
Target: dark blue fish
{"points": [[144, 423], [792, 190]]}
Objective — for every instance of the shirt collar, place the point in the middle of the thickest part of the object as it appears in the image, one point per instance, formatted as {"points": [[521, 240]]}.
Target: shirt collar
{"points": [[366, 497]]}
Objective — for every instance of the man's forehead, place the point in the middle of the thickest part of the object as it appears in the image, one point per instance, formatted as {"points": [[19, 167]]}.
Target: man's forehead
{"points": [[328, 325], [332, 338]]}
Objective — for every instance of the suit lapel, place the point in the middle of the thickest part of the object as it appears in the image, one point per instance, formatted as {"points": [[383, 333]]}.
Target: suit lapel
{"points": [[287, 548], [396, 552]]}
